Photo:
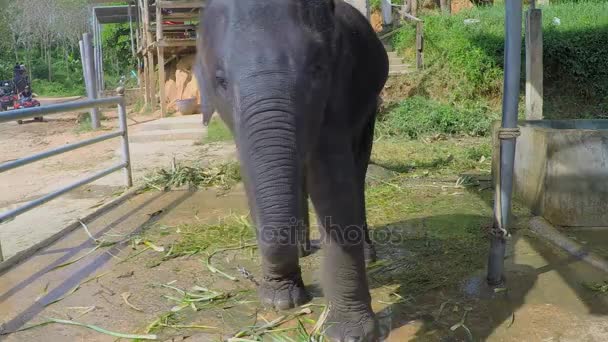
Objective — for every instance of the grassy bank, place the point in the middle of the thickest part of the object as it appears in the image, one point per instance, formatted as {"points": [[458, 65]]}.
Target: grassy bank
{"points": [[464, 63]]}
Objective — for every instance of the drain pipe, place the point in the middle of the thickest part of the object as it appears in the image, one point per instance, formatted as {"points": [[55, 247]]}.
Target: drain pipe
{"points": [[507, 135]]}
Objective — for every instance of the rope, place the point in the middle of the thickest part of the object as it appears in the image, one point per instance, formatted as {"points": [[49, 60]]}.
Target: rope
{"points": [[500, 230], [508, 133]]}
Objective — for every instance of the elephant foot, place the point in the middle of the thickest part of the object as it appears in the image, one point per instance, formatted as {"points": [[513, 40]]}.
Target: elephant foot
{"points": [[351, 327], [283, 293]]}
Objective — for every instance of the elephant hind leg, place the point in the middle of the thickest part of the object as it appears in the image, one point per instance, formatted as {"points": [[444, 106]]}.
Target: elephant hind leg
{"points": [[362, 147]]}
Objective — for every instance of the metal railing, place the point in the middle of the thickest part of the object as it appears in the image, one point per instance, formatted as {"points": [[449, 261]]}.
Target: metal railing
{"points": [[122, 132]]}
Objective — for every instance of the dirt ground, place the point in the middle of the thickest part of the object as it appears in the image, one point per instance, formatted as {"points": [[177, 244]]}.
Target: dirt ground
{"points": [[544, 299]]}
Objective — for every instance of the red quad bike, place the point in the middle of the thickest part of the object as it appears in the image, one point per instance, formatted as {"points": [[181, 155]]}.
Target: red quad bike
{"points": [[28, 102], [7, 101]]}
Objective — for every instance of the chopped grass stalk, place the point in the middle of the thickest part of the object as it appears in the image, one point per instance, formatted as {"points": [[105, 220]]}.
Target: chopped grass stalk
{"points": [[125, 297], [76, 288], [92, 327]]}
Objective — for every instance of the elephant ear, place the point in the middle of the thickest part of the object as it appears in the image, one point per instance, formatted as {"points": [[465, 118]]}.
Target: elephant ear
{"points": [[204, 87], [332, 5]]}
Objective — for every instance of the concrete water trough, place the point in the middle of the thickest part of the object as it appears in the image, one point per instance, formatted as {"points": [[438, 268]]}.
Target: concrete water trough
{"points": [[561, 170]]}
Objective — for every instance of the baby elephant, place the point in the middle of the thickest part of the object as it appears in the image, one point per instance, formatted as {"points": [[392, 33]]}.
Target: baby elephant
{"points": [[298, 82]]}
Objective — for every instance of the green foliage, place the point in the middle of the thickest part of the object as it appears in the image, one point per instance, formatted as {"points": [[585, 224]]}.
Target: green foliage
{"points": [[465, 62], [418, 116], [44, 35], [117, 50], [46, 88]]}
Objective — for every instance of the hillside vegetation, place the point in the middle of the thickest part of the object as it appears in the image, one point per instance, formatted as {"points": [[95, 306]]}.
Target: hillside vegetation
{"points": [[460, 90]]}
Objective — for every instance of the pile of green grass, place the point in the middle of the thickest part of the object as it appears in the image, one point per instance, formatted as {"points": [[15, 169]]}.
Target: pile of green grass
{"points": [[178, 175], [464, 63]]}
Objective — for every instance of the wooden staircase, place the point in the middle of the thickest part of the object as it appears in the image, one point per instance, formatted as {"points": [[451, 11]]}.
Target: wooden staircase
{"points": [[396, 64]]}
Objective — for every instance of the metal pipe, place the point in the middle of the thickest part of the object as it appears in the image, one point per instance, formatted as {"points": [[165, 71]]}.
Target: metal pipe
{"points": [[502, 207], [131, 31], [27, 113], [96, 52], [11, 214], [126, 154], [90, 73], [102, 80], [56, 151]]}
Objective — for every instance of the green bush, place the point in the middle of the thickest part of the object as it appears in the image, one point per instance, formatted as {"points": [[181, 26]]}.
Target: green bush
{"points": [[375, 5], [418, 116], [46, 88], [465, 62]]}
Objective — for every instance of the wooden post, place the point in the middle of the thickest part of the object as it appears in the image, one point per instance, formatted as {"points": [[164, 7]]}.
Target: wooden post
{"points": [[161, 61], [534, 65], [446, 6], [147, 51], [414, 7], [419, 45], [90, 75], [387, 12]]}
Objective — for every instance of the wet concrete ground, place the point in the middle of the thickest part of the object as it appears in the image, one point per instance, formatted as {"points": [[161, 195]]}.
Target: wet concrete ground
{"points": [[544, 299]]}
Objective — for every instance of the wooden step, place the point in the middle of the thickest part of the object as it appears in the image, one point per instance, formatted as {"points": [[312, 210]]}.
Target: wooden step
{"points": [[173, 27], [171, 42], [401, 72]]}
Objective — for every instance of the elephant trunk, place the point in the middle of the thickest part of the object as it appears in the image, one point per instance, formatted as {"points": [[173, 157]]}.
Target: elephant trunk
{"points": [[269, 150]]}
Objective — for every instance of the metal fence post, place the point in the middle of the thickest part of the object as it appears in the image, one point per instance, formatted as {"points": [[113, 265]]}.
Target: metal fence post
{"points": [[126, 155], [90, 75]]}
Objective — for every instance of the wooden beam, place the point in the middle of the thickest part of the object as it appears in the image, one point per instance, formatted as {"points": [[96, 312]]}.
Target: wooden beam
{"points": [[181, 4], [419, 45], [177, 42], [161, 81], [189, 16], [149, 56], [161, 61]]}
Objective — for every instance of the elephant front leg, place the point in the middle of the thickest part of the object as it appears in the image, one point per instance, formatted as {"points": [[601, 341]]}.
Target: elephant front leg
{"points": [[304, 245], [335, 194]]}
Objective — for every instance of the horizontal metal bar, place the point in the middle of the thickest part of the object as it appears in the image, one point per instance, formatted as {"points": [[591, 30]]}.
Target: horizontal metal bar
{"points": [[11, 214], [27, 113], [53, 152]]}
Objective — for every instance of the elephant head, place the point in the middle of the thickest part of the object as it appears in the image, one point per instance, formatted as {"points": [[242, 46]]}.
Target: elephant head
{"points": [[265, 67]]}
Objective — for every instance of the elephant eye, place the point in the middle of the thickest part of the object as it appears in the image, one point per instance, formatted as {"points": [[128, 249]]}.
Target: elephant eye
{"points": [[221, 80]]}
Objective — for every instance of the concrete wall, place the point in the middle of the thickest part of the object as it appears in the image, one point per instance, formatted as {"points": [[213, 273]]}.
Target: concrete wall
{"points": [[561, 171]]}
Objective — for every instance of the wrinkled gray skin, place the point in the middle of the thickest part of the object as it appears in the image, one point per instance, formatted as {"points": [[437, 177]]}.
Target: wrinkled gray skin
{"points": [[298, 82]]}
